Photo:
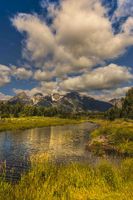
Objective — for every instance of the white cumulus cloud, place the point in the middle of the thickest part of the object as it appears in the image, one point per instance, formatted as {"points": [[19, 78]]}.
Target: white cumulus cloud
{"points": [[75, 46], [21, 73], [107, 77], [80, 37], [5, 73]]}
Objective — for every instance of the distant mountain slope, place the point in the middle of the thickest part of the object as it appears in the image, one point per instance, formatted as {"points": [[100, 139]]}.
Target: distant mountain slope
{"points": [[117, 102], [86, 103], [20, 98], [95, 105], [71, 102]]}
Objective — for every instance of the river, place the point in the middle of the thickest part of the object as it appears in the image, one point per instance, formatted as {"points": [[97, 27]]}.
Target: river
{"points": [[64, 144]]}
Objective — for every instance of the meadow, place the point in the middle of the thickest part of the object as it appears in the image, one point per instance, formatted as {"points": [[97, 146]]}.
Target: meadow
{"points": [[34, 122], [48, 181]]}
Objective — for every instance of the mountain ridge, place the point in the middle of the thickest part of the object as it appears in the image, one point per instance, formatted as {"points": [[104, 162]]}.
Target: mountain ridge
{"points": [[71, 101]]}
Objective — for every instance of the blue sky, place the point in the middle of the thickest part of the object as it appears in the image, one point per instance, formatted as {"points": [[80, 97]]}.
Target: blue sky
{"points": [[11, 40], [39, 53]]}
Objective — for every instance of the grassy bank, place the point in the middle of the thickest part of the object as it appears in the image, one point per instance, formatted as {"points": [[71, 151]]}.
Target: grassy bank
{"points": [[104, 181], [114, 136], [33, 122], [72, 182]]}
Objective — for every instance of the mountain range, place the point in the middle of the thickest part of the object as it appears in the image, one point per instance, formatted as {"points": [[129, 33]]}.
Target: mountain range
{"points": [[71, 101]]}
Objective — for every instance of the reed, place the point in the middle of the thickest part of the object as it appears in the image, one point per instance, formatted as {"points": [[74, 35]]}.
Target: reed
{"points": [[74, 181]]}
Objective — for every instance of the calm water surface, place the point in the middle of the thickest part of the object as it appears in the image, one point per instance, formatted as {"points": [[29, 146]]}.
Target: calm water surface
{"points": [[64, 144]]}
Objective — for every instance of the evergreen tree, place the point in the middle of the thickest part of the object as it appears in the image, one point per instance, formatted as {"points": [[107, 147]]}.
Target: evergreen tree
{"points": [[127, 108]]}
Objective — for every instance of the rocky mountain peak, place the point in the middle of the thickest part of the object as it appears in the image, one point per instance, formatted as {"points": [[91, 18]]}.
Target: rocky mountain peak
{"points": [[71, 101], [21, 97], [38, 97]]}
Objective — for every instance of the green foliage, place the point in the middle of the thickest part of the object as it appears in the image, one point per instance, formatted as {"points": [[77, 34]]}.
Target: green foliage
{"points": [[127, 169], [113, 113], [127, 108], [121, 135], [33, 122], [8, 110], [21, 110], [97, 148], [72, 182], [126, 111], [118, 136], [109, 174]]}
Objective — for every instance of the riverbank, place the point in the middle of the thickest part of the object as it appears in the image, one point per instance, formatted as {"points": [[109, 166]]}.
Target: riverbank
{"points": [[73, 182], [112, 137], [105, 180], [34, 122]]}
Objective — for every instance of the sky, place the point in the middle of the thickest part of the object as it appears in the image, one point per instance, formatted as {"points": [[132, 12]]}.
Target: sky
{"points": [[66, 45]]}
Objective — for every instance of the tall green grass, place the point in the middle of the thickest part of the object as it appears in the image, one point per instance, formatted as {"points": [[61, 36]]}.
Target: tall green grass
{"points": [[47, 181], [33, 122], [119, 134]]}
